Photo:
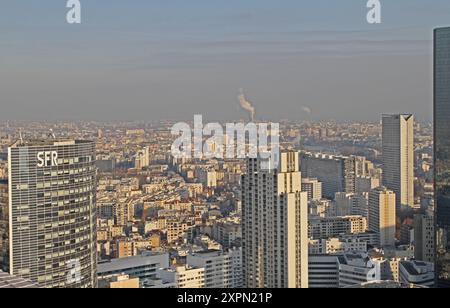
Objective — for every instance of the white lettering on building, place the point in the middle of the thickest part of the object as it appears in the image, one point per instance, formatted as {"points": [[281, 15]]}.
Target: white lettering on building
{"points": [[46, 159]]}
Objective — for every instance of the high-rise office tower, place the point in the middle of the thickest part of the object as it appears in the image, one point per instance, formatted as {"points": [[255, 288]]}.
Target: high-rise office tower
{"points": [[382, 215], [52, 197], [4, 225], [398, 157], [275, 225], [337, 173], [424, 238], [442, 152]]}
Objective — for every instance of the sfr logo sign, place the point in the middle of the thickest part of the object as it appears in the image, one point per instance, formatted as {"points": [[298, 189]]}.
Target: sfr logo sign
{"points": [[46, 159]]}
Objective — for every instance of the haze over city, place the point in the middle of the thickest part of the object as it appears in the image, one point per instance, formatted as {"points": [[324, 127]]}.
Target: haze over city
{"points": [[149, 60]]}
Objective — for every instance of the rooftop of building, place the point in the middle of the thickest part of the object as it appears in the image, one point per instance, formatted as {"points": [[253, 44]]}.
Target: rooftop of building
{"points": [[385, 285], [146, 258], [48, 142], [11, 282], [324, 156], [416, 268], [348, 217], [181, 269], [382, 189], [209, 253], [305, 180], [357, 259], [394, 115]]}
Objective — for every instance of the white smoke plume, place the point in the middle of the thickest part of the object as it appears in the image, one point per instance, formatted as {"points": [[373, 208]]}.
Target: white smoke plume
{"points": [[307, 110], [246, 105]]}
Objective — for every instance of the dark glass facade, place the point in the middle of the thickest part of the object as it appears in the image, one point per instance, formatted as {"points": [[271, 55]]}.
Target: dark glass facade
{"points": [[4, 226], [442, 152]]}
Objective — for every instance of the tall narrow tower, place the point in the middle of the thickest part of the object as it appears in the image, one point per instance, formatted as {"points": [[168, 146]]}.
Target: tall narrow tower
{"points": [[275, 225], [398, 157], [4, 226], [442, 153]]}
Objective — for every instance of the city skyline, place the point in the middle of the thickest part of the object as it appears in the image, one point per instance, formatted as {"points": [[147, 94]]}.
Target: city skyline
{"points": [[185, 197], [315, 151]]}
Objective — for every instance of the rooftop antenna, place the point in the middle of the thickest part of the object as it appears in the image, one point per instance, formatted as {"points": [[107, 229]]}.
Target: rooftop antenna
{"points": [[20, 136]]}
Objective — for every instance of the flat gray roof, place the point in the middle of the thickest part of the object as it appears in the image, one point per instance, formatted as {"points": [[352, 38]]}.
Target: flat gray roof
{"points": [[133, 262], [11, 282]]}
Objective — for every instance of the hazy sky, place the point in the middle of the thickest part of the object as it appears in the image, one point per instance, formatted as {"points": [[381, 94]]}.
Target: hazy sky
{"points": [[153, 59]]}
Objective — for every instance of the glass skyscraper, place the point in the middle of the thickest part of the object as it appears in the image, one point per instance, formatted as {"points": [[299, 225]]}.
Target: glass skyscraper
{"points": [[52, 197], [442, 152], [4, 225]]}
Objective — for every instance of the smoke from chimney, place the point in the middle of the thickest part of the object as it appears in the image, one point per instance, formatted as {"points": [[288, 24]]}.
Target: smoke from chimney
{"points": [[306, 110], [246, 105]]}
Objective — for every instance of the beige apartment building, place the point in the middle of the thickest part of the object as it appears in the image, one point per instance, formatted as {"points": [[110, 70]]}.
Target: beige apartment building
{"points": [[382, 215]]}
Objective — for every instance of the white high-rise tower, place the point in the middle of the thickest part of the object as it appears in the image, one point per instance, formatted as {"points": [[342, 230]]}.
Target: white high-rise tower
{"points": [[398, 157], [275, 225]]}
